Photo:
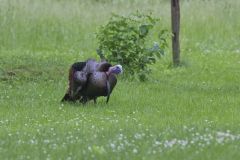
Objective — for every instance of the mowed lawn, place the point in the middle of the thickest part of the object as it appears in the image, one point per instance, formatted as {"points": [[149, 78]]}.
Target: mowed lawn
{"points": [[188, 112]]}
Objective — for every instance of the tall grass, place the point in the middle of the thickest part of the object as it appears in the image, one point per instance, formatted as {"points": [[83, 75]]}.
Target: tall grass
{"points": [[70, 25], [210, 23], [56, 25]]}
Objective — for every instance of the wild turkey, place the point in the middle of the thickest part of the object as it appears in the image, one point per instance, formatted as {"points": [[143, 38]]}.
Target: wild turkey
{"points": [[89, 80]]}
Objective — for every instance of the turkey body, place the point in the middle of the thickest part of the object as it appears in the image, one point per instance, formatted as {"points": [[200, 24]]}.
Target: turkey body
{"points": [[89, 80], [99, 84]]}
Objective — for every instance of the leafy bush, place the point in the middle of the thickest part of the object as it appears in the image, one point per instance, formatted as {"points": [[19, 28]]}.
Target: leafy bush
{"points": [[124, 40]]}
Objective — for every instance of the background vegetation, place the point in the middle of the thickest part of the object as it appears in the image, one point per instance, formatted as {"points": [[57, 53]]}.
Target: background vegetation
{"points": [[191, 112], [125, 40]]}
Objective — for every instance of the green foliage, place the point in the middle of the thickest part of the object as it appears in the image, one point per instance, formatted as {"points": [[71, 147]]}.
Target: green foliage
{"points": [[124, 40]]}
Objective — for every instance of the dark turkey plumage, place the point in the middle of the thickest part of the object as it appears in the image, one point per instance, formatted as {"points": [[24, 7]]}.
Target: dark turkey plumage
{"points": [[99, 84], [91, 79]]}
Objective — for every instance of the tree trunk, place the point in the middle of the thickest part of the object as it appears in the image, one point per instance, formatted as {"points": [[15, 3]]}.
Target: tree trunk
{"points": [[175, 11]]}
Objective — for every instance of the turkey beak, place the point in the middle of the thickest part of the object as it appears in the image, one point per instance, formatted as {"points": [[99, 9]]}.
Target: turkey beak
{"points": [[120, 68], [117, 69]]}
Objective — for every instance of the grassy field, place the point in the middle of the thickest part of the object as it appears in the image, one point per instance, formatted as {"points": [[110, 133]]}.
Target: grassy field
{"points": [[189, 112]]}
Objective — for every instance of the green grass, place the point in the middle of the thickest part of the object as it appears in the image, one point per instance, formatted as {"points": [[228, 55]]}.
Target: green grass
{"points": [[189, 112]]}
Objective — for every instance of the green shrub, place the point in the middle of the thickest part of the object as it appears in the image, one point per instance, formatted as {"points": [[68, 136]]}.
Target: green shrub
{"points": [[124, 40]]}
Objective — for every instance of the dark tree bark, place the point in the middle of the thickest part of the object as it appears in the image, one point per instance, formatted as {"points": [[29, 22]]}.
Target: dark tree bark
{"points": [[175, 12]]}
